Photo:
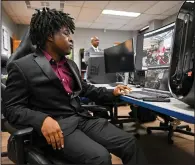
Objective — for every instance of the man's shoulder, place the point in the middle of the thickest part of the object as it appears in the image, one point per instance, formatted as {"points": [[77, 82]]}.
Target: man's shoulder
{"points": [[71, 62], [26, 58], [23, 61], [90, 49]]}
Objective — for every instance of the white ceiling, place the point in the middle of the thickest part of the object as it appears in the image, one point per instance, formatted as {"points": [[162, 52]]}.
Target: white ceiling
{"points": [[87, 14]]}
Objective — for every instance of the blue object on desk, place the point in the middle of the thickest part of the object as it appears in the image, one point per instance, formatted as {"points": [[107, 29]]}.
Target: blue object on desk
{"points": [[180, 116]]}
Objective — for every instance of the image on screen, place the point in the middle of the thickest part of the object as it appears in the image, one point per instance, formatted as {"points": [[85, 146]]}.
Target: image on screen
{"points": [[154, 78], [157, 48]]}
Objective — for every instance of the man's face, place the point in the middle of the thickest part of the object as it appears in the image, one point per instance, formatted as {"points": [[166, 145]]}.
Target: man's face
{"points": [[62, 42], [95, 42]]}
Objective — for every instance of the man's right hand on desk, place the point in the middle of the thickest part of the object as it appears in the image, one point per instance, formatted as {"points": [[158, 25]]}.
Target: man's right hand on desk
{"points": [[53, 133]]}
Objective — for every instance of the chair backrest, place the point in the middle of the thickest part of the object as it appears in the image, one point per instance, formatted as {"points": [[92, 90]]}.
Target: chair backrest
{"points": [[4, 59], [26, 47], [2, 94], [96, 71]]}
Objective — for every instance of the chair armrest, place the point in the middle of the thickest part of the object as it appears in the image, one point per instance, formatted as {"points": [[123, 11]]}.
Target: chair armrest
{"points": [[17, 143], [15, 132], [23, 132]]}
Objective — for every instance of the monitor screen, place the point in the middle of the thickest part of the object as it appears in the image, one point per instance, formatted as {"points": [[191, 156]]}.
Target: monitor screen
{"points": [[120, 58], [157, 47], [157, 79]]}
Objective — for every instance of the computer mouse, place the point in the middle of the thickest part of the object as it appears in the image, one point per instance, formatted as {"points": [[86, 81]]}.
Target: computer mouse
{"points": [[137, 86]]}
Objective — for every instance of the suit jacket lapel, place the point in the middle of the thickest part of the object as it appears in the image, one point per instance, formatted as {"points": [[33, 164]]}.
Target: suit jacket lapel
{"points": [[76, 75], [46, 68]]}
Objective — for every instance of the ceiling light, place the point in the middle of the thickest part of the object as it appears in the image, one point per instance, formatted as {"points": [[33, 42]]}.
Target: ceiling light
{"points": [[120, 13], [191, 1]]}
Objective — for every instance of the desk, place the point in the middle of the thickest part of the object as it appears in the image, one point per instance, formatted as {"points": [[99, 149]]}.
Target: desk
{"points": [[175, 108]]}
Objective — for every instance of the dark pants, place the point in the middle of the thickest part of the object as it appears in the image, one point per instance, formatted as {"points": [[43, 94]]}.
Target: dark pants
{"points": [[94, 140]]}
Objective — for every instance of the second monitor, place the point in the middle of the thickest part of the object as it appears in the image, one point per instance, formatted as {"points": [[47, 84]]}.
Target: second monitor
{"points": [[120, 58]]}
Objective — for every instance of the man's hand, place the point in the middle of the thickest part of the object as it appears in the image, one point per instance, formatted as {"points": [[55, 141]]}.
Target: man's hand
{"points": [[53, 133], [121, 90]]}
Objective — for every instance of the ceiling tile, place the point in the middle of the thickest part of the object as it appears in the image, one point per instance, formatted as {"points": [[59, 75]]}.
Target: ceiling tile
{"points": [[116, 17], [143, 18], [173, 10], [126, 27], [140, 22], [7, 8], [108, 19], [54, 5], [114, 26], [74, 3], [19, 9], [141, 6], [72, 10], [161, 7], [36, 4], [83, 24], [17, 20], [119, 5], [98, 25], [87, 14], [160, 17], [95, 4]]}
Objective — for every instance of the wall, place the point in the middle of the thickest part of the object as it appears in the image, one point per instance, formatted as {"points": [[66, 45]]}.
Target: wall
{"points": [[10, 27], [21, 30], [155, 24], [169, 20]]}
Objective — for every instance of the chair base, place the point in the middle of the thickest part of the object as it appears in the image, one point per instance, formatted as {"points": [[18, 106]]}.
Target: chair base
{"points": [[171, 130]]}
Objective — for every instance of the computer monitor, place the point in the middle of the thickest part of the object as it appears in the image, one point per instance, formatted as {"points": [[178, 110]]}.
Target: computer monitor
{"points": [[157, 79], [120, 58], [157, 47], [96, 70]]}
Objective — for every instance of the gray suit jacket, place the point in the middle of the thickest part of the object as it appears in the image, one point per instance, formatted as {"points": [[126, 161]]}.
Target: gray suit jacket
{"points": [[88, 52]]}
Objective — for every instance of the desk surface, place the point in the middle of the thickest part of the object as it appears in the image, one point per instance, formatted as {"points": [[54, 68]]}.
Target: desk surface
{"points": [[175, 108]]}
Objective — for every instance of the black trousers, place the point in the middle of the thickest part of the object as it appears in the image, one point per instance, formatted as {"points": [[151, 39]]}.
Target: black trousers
{"points": [[94, 140]]}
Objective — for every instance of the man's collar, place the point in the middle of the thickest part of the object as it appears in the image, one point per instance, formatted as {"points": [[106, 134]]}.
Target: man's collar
{"points": [[50, 59], [94, 47]]}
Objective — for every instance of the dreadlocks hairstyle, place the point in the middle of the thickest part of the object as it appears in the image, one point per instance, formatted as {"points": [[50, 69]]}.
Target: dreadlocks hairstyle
{"points": [[46, 22]]}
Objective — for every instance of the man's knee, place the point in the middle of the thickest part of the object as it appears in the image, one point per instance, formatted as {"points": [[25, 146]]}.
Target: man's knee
{"points": [[130, 143], [101, 158]]}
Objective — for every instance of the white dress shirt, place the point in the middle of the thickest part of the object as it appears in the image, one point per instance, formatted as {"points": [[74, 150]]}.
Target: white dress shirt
{"points": [[95, 49]]}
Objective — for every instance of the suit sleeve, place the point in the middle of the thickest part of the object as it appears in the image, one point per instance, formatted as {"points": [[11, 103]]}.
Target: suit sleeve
{"points": [[99, 95], [16, 99], [86, 56]]}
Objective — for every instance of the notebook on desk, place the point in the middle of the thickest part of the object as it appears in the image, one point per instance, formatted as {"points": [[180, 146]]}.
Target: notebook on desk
{"points": [[156, 85]]}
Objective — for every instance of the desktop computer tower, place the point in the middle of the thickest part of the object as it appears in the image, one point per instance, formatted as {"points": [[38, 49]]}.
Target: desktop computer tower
{"points": [[181, 78]]}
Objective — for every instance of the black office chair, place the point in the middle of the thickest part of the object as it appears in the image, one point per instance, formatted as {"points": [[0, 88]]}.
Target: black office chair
{"points": [[4, 59], [3, 120], [19, 149], [166, 125]]}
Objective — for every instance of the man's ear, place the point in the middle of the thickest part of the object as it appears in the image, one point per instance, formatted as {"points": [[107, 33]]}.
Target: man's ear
{"points": [[50, 38]]}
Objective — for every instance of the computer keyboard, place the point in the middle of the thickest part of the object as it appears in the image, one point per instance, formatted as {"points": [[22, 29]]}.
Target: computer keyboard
{"points": [[115, 84], [144, 94]]}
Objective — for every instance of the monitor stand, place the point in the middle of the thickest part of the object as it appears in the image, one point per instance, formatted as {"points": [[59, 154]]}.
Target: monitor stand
{"points": [[126, 78]]}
